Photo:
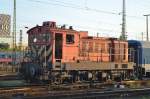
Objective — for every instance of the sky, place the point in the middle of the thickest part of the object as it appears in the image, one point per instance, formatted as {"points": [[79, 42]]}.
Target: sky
{"points": [[95, 16]]}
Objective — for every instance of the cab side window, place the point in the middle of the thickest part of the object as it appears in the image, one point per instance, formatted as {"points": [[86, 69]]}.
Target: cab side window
{"points": [[70, 39]]}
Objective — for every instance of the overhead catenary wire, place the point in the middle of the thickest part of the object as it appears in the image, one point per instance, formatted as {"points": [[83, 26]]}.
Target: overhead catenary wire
{"points": [[42, 2], [74, 6], [70, 5], [82, 8], [87, 8], [142, 6], [98, 22]]}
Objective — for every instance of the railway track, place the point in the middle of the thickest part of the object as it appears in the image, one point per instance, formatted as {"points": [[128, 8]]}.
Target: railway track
{"points": [[38, 90], [30, 90], [44, 90], [92, 94]]}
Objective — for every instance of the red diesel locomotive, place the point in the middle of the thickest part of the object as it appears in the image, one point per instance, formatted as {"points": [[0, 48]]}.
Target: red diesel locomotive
{"points": [[59, 54]]}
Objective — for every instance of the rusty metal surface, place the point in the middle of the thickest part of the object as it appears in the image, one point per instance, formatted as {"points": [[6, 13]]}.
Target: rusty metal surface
{"points": [[96, 66]]}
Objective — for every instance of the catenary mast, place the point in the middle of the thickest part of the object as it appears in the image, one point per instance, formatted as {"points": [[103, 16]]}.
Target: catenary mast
{"points": [[123, 33]]}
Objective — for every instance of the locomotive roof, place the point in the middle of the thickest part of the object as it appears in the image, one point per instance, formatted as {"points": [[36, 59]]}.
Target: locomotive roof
{"points": [[95, 38], [33, 28], [102, 38], [63, 28], [59, 29]]}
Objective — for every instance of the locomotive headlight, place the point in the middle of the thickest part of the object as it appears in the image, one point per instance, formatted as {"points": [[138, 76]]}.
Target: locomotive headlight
{"points": [[35, 40]]}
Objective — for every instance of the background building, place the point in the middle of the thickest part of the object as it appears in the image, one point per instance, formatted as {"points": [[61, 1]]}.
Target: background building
{"points": [[5, 27]]}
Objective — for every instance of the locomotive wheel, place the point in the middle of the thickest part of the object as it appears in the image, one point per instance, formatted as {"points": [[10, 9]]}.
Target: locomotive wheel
{"points": [[30, 71]]}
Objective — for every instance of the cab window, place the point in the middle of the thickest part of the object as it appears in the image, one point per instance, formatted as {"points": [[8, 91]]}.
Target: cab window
{"points": [[69, 39]]}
